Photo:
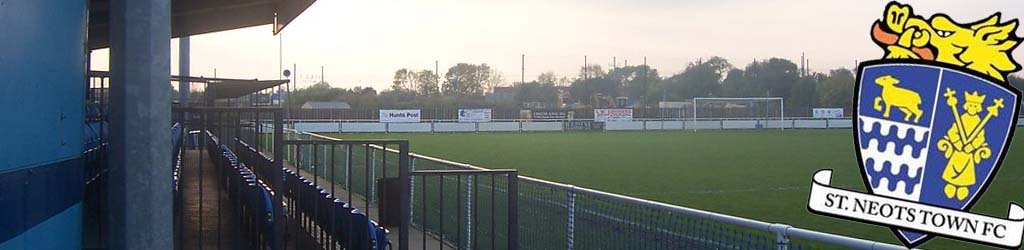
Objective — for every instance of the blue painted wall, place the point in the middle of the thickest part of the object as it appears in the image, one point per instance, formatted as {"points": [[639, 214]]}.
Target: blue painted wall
{"points": [[43, 69]]}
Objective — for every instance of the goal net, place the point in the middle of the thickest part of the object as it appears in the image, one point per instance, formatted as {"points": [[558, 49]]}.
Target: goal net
{"points": [[746, 112]]}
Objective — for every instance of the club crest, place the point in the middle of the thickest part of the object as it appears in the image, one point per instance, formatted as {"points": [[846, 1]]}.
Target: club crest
{"points": [[933, 122]]}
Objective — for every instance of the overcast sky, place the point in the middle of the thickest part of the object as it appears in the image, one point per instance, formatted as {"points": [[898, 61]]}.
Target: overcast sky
{"points": [[362, 43]]}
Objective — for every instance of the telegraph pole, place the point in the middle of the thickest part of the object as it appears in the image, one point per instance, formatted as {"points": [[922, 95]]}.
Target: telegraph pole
{"points": [[586, 70], [280, 55], [437, 75], [522, 74]]}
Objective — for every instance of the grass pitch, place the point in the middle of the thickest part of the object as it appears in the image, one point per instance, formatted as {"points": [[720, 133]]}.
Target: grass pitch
{"points": [[762, 175]]}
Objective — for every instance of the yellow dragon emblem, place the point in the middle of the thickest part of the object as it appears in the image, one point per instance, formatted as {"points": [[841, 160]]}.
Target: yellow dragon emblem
{"points": [[983, 46]]}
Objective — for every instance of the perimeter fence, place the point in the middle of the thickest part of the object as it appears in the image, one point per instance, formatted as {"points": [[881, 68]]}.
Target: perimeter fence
{"points": [[553, 215]]}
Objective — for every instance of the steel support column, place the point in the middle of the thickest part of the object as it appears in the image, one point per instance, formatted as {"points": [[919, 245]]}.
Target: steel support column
{"points": [[140, 184], [184, 48]]}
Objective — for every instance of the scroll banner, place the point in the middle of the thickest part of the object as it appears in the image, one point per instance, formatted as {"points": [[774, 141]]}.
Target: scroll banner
{"points": [[836, 202]]}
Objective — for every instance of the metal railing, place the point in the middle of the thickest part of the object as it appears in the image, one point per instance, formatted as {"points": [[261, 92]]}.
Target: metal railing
{"points": [[348, 169], [330, 188], [557, 215], [243, 180], [466, 227]]}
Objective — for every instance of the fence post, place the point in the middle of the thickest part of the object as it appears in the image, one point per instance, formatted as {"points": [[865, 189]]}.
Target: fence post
{"points": [[404, 193], [412, 182], [372, 168], [348, 164], [513, 211], [277, 178], [781, 236], [469, 211], [571, 227]]}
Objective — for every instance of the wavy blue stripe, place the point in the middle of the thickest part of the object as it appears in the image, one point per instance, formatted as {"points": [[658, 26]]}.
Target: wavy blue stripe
{"points": [[900, 143], [886, 172]]}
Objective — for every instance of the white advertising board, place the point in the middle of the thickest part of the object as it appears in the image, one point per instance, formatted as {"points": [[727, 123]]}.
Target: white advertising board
{"points": [[604, 115], [827, 113], [474, 115], [399, 115]]}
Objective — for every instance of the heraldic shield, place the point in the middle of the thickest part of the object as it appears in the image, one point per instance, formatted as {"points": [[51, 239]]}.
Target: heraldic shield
{"points": [[930, 134]]}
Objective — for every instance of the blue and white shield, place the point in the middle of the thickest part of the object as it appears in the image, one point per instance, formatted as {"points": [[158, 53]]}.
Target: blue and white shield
{"points": [[930, 134]]}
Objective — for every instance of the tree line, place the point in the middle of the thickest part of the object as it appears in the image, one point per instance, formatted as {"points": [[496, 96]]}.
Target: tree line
{"points": [[465, 85]]}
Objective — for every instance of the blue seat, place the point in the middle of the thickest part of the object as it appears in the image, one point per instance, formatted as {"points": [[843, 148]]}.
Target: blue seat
{"points": [[267, 207], [324, 202], [360, 237], [380, 235], [342, 216]]}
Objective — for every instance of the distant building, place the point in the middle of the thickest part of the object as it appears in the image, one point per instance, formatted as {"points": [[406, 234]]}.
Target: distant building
{"points": [[325, 105], [502, 94], [564, 96]]}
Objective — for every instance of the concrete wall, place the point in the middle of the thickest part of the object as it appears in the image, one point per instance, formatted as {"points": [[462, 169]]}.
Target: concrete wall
{"points": [[542, 126], [426, 127], [739, 124], [810, 124], [363, 127], [499, 126], [409, 127], [840, 123], [672, 125], [623, 125], [779, 124], [454, 127], [703, 124], [318, 127], [654, 125]]}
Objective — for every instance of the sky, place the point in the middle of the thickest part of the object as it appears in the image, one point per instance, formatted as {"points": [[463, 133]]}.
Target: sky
{"points": [[362, 43]]}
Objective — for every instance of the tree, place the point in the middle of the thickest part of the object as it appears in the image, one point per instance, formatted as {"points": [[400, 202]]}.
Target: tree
{"points": [[548, 77], [735, 84], [427, 80], [404, 79], [1017, 81], [495, 80], [836, 90], [699, 79], [587, 90], [536, 92], [465, 79], [804, 92], [320, 91], [592, 71], [776, 75], [637, 82]]}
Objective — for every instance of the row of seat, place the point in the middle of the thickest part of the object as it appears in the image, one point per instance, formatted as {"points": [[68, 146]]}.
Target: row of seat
{"points": [[333, 220], [176, 133], [339, 221], [94, 145], [251, 199]]}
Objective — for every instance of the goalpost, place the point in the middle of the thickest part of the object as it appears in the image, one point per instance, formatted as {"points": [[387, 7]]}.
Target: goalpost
{"points": [[762, 110]]}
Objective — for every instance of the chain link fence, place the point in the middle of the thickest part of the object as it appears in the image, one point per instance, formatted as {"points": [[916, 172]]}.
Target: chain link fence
{"points": [[560, 216]]}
